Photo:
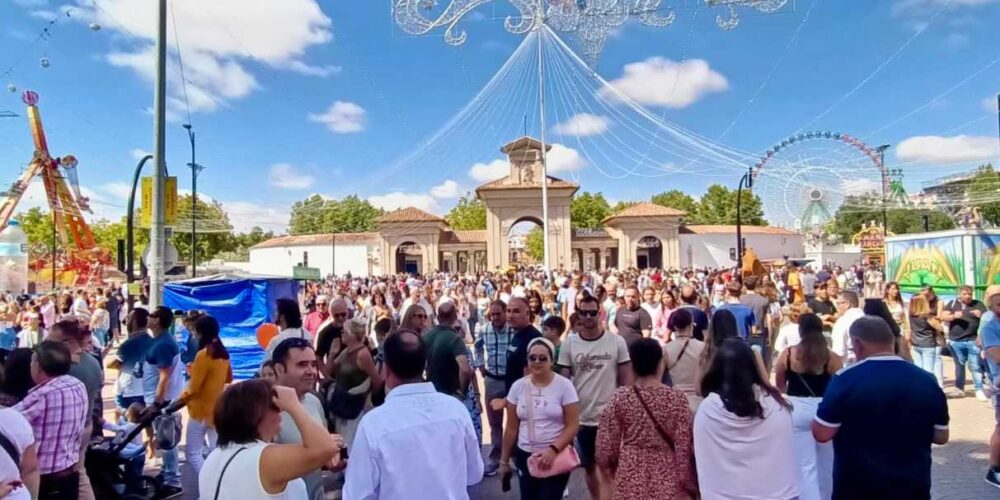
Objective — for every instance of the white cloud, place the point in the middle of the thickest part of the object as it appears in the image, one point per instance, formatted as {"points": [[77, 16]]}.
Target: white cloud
{"points": [[662, 82], [582, 125], [485, 172], [928, 7], [957, 40], [859, 186], [399, 199], [284, 176], [342, 118], [447, 189], [119, 190], [989, 104], [954, 149], [564, 159], [138, 154], [219, 41], [244, 216]]}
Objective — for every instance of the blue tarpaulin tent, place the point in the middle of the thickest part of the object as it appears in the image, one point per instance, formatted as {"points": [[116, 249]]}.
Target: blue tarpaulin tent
{"points": [[240, 303]]}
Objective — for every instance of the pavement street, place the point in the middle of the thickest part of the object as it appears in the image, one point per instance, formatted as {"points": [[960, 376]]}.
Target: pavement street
{"points": [[958, 470]]}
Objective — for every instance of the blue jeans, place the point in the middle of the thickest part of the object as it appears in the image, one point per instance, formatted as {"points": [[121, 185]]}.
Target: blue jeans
{"points": [[966, 351], [171, 464], [929, 358]]}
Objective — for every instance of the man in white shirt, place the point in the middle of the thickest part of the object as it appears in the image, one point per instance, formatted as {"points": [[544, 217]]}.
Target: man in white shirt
{"points": [[416, 297], [289, 320], [419, 443], [847, 313]]}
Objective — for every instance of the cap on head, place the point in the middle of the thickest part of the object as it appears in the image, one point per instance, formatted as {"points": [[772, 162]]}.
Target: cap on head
{"points": [[991, 291]]}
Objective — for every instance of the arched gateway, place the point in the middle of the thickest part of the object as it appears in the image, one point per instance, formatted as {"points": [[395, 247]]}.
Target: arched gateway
{"points": [[623, 241]]}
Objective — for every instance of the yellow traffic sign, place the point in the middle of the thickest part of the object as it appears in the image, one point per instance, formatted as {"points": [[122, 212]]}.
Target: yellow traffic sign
{"points": [[170, 202]]}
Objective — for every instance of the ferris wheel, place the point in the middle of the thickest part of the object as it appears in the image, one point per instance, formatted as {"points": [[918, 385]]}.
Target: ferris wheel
{"points": [[805, 178]]}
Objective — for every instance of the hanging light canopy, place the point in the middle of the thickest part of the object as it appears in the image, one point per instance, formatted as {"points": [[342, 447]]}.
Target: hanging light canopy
{"points": [[590, 22]]}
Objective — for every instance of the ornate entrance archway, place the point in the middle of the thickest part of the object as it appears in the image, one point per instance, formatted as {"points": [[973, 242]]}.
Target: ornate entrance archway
{"points": [[409, 258], [649, 253], [517, 197]]}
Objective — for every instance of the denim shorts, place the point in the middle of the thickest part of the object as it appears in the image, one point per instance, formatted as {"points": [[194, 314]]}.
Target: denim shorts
{"points": [[124, 402]]}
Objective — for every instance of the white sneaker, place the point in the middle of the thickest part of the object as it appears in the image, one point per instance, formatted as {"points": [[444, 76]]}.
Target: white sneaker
{"points": [[980, 395]]}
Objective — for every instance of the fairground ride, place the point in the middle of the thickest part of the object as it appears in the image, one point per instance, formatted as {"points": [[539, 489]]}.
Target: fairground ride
{"points": [[73, 257]]}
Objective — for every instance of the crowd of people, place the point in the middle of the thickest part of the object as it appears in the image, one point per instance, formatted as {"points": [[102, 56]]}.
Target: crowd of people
{"points": [[657, 383]]}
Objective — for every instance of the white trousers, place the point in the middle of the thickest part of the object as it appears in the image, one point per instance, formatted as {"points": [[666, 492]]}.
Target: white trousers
{"points": [[198, 433], [815, 460]]}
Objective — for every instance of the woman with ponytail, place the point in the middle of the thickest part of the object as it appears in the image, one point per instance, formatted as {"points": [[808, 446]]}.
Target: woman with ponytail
{"points": [[210, 372]]}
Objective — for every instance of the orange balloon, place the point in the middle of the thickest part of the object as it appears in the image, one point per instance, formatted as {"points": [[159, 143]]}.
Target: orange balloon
{"points": [[265, 333]]}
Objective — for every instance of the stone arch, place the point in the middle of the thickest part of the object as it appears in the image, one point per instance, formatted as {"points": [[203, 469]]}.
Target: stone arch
{"points": [[409, 257], [649, 251]]}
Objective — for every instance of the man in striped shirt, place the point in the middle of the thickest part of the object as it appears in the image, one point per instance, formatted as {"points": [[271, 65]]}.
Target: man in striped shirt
{"points": [[492, 346], [56, 408]]}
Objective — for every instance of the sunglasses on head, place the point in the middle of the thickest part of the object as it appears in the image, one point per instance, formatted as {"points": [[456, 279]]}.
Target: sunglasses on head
{"points": [[587, 313], [538, 358]]}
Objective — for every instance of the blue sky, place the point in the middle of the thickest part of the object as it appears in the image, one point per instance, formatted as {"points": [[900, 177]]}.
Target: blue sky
{"points": [[299, 97]]}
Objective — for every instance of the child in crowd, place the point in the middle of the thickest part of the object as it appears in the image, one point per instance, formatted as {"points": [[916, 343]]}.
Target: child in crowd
{"points": [[133, 453], [266, 371], [553, 329]]}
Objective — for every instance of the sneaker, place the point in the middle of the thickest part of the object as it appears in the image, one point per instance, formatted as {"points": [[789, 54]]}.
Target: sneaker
{"points": [[980, 395], [491, 470], [993, 477]]}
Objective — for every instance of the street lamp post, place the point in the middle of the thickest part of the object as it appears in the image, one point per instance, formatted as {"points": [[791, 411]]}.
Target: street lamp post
{"points": [[747, 180], [885, 215], [195, 169], [130, 227]]}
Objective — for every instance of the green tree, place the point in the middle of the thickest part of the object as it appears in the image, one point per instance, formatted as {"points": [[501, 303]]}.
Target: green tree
{"points": [[677, 200], [320, 215], [622, 205], [587, 210], [858, 210], [534, 244], [215, 232], [37, 224], [982, 193], [469, 213], [718, 206]]}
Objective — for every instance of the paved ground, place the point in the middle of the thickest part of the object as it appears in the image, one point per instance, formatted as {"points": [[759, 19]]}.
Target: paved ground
{"points": [[959, 466]]}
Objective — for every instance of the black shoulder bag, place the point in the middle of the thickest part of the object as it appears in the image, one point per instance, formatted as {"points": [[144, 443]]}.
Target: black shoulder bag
{"points": [[11, 450], [663, 434], [218, 486]]}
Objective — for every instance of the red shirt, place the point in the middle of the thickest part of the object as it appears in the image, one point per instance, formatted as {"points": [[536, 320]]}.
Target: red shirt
{"points": [[313, 321]]}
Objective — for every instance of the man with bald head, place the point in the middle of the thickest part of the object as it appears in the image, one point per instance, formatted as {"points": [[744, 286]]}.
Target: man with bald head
{"points": [[522, 332], [327, 338], [872, 459], [448, 366], [689, 301]]}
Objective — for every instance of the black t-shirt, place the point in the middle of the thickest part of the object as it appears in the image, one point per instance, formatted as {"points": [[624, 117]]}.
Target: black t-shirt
{"points": [[517, 353], [757, 303], [820, 307], [922, 334], [325, 338], [965, 326], [631, 323]]}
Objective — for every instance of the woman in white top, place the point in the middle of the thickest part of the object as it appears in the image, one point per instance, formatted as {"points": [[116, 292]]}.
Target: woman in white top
{"points": [[18, 481], [100, 323], [555, 411], [246, 464], [788, 335], [743, 431]]}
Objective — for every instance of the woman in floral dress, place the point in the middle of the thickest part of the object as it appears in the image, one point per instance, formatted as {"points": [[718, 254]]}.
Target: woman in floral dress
{"points": [[645, 440]]}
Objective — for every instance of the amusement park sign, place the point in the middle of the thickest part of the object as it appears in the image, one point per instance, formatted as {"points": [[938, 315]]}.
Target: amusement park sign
{"points": [[871, 239]]}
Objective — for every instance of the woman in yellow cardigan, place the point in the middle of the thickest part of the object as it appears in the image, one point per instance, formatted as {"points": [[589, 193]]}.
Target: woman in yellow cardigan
{"points": [[210, 372]]}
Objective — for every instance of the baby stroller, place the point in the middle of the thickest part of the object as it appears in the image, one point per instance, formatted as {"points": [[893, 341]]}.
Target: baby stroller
{"points": [[114, 476]]}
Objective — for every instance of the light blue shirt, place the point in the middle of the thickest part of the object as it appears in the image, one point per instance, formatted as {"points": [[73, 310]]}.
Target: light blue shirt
{"points": [[989, 335]]}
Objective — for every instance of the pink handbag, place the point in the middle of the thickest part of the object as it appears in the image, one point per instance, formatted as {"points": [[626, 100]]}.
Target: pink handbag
{"points": [[565, 461]]}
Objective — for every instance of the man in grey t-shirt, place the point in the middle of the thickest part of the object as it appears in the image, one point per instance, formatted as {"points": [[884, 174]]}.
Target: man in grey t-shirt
{"points": [[760, 335]]}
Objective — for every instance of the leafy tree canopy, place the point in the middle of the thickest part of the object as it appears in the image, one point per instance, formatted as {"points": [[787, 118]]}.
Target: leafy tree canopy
{"points": [[588, 210], [468, 214], [321, 215], [858, 210]]}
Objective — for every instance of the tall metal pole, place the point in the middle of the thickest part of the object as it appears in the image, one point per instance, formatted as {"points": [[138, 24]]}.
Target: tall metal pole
{"points": [[130, 229], [739, 225], [885, 201], [195, 170], [156, 233], [545, 174]]}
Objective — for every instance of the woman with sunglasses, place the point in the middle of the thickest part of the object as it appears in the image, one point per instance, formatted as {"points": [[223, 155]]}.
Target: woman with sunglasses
{"points": [[247, 464], [543, 416], [415, 318]]}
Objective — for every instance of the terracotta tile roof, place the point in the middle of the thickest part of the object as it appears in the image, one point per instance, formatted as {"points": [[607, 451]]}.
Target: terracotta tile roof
{"points": [[409, 214], [504, 184], [316, 239], [477, 236], [584, 233], [731, 229], [646, 209]]}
